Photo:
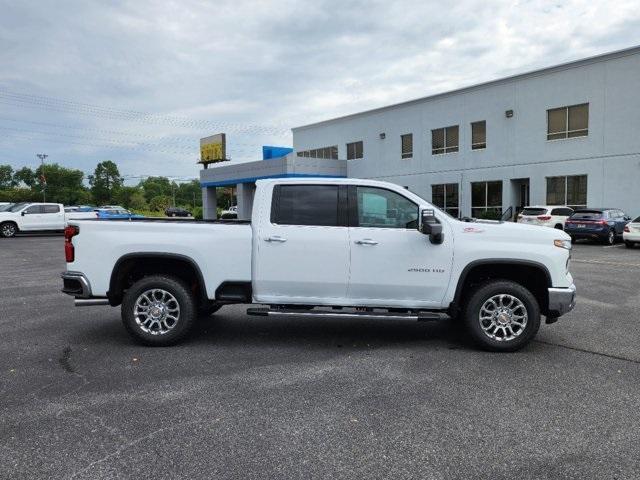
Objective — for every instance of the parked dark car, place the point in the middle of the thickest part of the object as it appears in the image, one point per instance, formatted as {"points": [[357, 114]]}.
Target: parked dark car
{"points": [[177, 212], [603, 224]]}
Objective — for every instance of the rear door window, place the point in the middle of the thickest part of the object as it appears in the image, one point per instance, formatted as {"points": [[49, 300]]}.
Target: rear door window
{"points": [[534, 211], [50, 208], [305, 205]]}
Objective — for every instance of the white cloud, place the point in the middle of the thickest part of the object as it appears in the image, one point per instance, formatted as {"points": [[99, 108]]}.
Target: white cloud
{"points": [[282, 63]]}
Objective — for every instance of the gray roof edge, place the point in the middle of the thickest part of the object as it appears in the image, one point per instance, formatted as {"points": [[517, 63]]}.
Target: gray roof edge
{"points": [[603, 57]]}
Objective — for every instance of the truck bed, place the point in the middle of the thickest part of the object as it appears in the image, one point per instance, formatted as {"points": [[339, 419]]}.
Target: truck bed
{"points": [[221, 249]]}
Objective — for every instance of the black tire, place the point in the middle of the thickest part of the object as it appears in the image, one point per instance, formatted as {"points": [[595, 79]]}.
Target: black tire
{"points": [[8, 229], [559, 227], [573, 240], [629, 244], [610, 239], [179, 329], [487, 291]]}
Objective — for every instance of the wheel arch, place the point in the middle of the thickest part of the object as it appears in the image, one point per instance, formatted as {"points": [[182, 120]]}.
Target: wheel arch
{"points": [[133, 266], [531, 274]]}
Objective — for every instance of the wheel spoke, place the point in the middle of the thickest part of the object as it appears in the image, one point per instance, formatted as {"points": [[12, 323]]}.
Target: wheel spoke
{"points": [[503, 317], [156, 311]]}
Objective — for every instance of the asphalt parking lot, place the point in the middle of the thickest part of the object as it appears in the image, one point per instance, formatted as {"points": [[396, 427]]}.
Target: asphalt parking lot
{"points": [[262, 397]]}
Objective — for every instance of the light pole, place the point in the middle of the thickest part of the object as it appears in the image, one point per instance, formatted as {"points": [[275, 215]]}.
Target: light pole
{"points": [[43, 179]]}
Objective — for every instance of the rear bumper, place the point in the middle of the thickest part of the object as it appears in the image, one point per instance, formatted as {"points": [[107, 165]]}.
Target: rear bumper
{"points": [[631, 236], [561, 300], [78, 286], [75, 284]]}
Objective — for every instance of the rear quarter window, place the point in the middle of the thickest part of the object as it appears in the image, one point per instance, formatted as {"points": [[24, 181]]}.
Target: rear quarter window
{"points": [[562, 212]]}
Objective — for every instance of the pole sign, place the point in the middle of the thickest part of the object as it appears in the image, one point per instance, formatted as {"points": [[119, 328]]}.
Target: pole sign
{"points": [[213, 149]]}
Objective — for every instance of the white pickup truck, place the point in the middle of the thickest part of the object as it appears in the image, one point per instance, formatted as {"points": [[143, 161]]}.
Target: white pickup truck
{"points": [[31, 217], [325, 247]]}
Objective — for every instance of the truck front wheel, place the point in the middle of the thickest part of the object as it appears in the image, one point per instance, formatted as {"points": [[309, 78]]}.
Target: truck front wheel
{"points": [[502, 316], [8, 229], [158, 310]]}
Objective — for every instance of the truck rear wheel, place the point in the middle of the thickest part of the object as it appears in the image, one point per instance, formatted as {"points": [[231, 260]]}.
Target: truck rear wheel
{"points": [[158, 310], [502, 316]]}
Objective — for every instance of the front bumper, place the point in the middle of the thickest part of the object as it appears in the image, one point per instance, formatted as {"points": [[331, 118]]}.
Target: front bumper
{"points": [[561, 300]]}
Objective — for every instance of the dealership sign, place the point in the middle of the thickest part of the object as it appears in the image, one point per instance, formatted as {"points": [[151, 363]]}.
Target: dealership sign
{"points": [[213, 149]]}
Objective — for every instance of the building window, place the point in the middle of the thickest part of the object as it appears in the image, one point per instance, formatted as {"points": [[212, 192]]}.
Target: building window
{"points": [[444, 140], [570, 191], [354, 150], [445, 196], [486, 200], [479, 135], [407, 145], [568, 122], [325, 152]]}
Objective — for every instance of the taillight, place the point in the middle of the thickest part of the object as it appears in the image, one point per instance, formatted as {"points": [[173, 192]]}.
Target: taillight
{"points": [[69, 252], [544, 217], [626, 229]]}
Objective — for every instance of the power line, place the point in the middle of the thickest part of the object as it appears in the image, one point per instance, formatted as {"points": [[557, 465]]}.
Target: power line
{"points": [[51, 103]]}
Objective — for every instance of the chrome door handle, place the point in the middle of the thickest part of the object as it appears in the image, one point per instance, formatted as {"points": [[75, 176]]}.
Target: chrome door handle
{"points": [[275, 238], [366, 241]]}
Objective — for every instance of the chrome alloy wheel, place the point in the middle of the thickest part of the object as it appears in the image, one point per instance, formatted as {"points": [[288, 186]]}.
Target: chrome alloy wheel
{"points": [[503, 317], [8, 230], [156, 311]]}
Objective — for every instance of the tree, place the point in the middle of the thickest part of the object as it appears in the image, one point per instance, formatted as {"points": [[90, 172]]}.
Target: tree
{"points": [[160, 203], [131, 197], [25, 176], [187, 192], [155, 186], [63, 185], [6, 176], [105, 182]]}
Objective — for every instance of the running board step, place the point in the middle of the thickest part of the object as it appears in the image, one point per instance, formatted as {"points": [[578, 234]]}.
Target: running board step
{"points": [[419, 316]]}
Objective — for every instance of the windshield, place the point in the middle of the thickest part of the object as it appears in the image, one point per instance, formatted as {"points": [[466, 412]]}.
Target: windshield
{"points": [[16, 206], [637, 220]]}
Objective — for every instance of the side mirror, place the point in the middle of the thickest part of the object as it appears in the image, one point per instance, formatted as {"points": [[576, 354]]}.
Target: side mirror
{"points": [[23, 213], [430, 225]]}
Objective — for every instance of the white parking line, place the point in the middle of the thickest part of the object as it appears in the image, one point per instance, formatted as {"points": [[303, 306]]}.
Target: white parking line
{"points": [[614, 246]]}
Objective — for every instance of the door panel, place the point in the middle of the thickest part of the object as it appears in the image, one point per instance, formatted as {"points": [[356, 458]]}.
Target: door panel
{"points": [[302, 254], [393, 265], [32, 218]]}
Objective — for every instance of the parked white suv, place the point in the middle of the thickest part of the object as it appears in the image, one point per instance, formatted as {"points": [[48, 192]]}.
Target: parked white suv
{"points": [[545, 215], [631, 234]]}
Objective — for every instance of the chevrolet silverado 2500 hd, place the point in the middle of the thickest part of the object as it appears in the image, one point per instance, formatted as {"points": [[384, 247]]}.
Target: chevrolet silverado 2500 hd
{"points": [[325, 247]]}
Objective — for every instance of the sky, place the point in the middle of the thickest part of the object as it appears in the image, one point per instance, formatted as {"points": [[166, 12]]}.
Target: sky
{"points": [[140, 82]]}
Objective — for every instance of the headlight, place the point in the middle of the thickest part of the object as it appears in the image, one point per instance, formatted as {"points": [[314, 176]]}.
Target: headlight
{"points": [[566, 244]]}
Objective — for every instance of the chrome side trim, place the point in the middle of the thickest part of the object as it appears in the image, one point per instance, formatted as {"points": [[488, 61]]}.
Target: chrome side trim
{"points": [[561, 300]]}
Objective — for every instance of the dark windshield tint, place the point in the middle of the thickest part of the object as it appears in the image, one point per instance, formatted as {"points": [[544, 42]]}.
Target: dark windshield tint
{"points": [[534, 211], [587, 215], [637, 220], [307, 205]]}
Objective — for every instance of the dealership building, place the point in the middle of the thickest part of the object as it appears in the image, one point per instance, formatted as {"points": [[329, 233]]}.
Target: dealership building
{"points": [[564, 135]]}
